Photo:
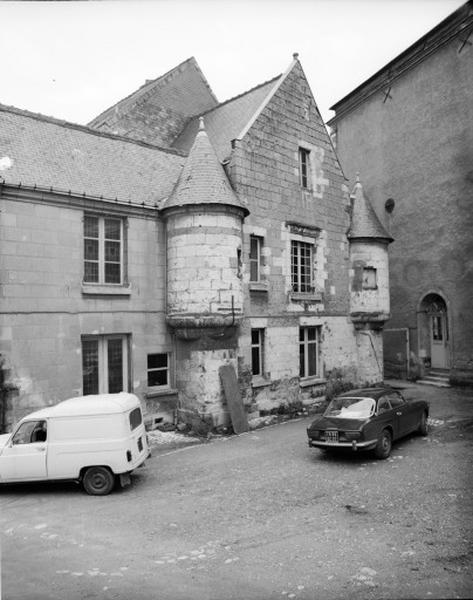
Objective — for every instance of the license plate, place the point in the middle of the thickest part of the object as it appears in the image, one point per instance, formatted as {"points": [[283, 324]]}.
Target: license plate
{"points": [[331, 436]]}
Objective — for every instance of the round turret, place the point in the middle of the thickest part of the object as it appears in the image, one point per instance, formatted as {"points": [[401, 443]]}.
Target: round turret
{"points": [[204, 235]]}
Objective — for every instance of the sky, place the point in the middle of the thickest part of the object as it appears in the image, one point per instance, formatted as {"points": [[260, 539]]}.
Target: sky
{"points": [[72, 60]]}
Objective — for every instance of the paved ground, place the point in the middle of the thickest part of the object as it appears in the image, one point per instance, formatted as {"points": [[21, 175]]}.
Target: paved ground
{"points": [[258, 516]]}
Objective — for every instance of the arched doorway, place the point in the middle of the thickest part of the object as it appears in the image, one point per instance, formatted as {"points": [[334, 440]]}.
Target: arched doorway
{"points": [[434, 331]]}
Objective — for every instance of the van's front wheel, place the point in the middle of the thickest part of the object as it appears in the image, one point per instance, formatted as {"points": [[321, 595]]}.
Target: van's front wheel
{"points": [[98, 481]]}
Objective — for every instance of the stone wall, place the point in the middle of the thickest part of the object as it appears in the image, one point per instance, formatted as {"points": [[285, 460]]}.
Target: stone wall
{"points": [[203, 271], [415, 147], [45, 310], [371, 255]]}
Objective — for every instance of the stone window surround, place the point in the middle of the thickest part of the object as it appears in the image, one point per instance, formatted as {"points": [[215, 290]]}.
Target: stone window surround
{"points": [[263, 284], [265, 377], [317, 182], [309, 235], [319, 379], [366, 283]]}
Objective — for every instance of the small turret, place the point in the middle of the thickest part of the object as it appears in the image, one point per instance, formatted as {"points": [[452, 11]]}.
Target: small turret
{"points": [[203, 224], [369, 281]]}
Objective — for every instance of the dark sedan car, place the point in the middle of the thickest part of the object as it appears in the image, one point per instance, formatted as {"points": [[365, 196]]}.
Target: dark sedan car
{"points": [[368, 419]]}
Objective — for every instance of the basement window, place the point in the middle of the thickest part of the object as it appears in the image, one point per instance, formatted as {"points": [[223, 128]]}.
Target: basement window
{"points": [[158, 370]]}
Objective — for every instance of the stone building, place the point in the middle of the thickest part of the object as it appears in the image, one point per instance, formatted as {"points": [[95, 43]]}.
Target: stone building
{"points": [[176, 235], [408, 130]]}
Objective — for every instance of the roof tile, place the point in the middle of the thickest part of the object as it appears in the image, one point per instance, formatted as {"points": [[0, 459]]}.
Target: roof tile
{"points": [[42, 151], [203, 180], [365, 222]]}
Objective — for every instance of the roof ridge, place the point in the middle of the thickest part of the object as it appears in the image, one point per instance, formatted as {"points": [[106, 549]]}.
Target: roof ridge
{"points": [[151, 82], [449, 27], [86, 129], [233, 98]]}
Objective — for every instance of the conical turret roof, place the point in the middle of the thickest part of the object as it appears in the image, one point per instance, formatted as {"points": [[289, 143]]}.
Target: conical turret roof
{"points": [[203, 179], [364, 221]]}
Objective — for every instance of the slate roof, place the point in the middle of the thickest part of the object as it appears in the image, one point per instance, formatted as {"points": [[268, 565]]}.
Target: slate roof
{"points": [[364, 221], [42, 151], [226, 121], [203, 180], [159, 109]]}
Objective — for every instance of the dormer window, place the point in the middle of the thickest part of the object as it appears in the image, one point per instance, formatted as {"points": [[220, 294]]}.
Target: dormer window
{"points": [[304, 167]]}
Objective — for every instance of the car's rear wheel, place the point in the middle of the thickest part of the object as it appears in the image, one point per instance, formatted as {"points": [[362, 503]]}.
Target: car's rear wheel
{"points": [[423, 428], [384, 445], [98, 481]]}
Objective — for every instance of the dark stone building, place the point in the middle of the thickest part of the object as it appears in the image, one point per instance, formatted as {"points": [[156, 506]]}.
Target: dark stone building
{"points": [[408, 131]]}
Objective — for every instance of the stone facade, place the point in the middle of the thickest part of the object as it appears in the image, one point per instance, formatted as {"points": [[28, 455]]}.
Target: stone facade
{"points": [[47, 309], [408, 131], [205, 262]]}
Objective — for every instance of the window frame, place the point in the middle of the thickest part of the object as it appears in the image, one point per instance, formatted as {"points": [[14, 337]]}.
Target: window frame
{"points": [[304, 155], [297, 286], [101, 245], [167, 369], [258, 260], [304, 345], [259, 346], [103, 372], [366, 284]]}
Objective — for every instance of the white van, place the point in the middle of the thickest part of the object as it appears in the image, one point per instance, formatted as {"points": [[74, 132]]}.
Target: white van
{"points": [[90, 439]]}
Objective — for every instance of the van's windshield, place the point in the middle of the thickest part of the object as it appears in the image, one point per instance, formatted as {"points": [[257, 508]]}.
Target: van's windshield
{"points": [[135, 418]]}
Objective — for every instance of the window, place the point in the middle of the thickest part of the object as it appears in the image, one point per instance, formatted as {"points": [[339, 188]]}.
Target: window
{"points": [[103, 250], [437, 333], [135, 418], [383, 405], [369, 278], [304, 167], [30, 432], [256, 258], [395, 400], [104, 364], [301, 266], [257, 351], [158, 370], [309, 351]]}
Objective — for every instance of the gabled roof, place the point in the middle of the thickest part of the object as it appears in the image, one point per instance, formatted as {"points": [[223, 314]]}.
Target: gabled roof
{"points": [[158, 110], [364, 221], [47, 152], [226, 121], [203, 180]]}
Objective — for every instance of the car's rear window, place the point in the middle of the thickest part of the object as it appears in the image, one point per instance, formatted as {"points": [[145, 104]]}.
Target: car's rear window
{"points": [[135, 418], [350, 408]]}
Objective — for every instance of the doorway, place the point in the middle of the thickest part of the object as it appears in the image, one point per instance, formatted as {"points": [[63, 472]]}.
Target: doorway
{"points": [[434, 332]]}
